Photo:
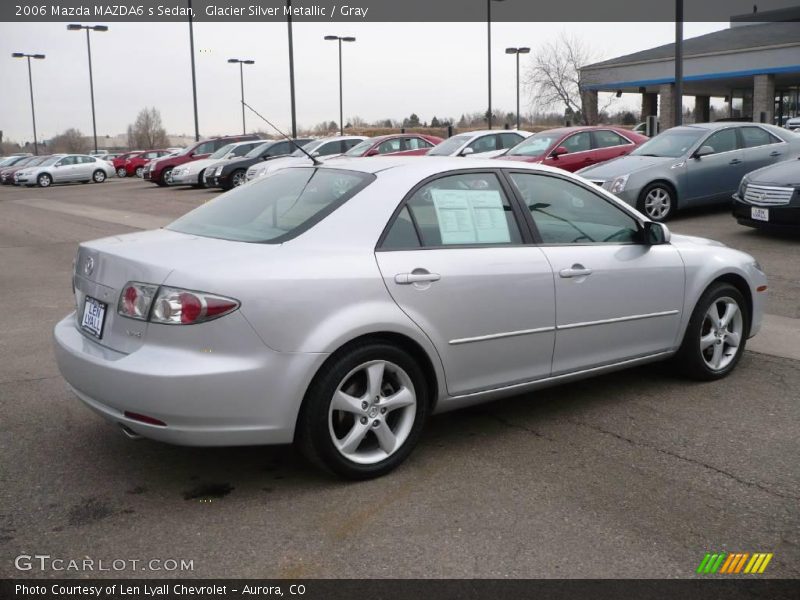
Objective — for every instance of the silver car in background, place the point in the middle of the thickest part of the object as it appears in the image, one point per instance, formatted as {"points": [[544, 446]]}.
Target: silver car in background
{"points": [[486, 143], [66, 168], [193, 172], [692, 165], [339, 306], [323, 148]]}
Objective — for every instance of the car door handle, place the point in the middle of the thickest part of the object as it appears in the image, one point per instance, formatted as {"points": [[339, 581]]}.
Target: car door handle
{"points": [[575, 271], [735, 161], [775, 153], [417, 276]]}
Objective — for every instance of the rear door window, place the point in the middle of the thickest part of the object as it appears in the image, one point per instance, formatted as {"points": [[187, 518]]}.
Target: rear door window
{"points": [[755, 136]]}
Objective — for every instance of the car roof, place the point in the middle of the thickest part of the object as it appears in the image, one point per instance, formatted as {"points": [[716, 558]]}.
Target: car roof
{"points": [[430, 164]]}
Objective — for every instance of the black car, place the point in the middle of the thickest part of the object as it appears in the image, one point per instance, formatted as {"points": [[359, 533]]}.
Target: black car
{"points": [[769, 198], [232, 173]]}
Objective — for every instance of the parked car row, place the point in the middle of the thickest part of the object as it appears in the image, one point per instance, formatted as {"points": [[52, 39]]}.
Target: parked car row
{"points": [[48, 169]]}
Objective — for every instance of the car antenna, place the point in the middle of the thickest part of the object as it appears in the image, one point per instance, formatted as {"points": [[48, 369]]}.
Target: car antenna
{"points": [[295, 144]]}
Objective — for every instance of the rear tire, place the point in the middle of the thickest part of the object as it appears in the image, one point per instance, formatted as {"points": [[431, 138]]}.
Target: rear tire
{"points": [[716, 335], [99, 176], [364, 411]]}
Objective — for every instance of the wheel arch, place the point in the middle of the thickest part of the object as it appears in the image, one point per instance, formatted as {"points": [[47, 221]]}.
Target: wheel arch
{"points": [[401, 340], [740, 283]]}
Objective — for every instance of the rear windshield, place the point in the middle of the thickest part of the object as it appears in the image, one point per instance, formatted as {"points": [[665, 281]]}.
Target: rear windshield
{"points": [[275, 208]]}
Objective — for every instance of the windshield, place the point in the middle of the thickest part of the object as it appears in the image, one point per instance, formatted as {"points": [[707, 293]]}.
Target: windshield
{"points": [[535, 145], [673, 143], [276, 208], [360, 149], [309, 147], [256, 152], [222, 151], [450, 145]]}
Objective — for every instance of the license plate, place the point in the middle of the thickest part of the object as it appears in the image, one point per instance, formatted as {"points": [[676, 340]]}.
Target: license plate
{"points": [[759, 214], [94, 315]]}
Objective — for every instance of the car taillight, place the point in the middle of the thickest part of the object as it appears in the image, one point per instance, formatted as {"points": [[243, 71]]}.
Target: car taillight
{"points": [[135, 300], [182, 307]]}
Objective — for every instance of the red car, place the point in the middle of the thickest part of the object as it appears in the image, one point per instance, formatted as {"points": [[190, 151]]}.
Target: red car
{"points": [[158, 171], [134, 164], [119, 162], [396, 144], [573, 148]]}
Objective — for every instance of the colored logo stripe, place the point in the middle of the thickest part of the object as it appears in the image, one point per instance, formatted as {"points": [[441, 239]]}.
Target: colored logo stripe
{"points": [[734, 563]]}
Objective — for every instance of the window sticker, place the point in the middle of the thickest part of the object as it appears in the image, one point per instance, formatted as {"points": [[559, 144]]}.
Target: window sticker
{"points": [[471, 216]]}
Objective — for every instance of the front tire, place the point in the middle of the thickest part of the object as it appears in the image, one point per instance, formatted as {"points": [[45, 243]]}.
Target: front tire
{"points": [[166, 175], [716, 335], [364, 412], [139, 172], [237, 178], [99, 176], [658, 201], [44, 180]]}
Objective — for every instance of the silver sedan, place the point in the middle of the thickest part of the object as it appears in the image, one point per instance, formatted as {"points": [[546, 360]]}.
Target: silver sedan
{"points": [[692, 165], [339, 306]]}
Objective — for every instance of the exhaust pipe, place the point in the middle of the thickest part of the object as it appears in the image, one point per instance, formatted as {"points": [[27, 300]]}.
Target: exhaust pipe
{"points": [[129, 433]]}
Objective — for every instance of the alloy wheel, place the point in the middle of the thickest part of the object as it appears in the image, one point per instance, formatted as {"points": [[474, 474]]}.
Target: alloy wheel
{"points": [[99, 176], [721, 333], [372, 412], [658, 203], [139, 171], [239, 178], [121, 172]]}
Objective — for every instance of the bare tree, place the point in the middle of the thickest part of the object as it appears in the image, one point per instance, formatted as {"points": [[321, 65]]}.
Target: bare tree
{"points": [[147, 132], [72, 141], [554, 77]]}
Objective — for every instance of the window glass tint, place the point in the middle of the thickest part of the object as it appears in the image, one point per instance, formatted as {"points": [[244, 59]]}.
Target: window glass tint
{"points": [[578, 142], [415, 143], [722, 141], [485, 143], [509, 140], [277, 207], [360, 149], [347, 144], [393, 145], [567, 213], [755, 136], [402, 234], [205, 148], [243, 149], [330, 148], [67, 160], [469, 208], [605, 138], [535, 145]]}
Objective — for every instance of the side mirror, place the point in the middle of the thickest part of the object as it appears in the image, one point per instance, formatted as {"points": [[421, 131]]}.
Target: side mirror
{"points": [[703, 151], [467, 151], [373, 152], [315, 154], [655, 233], [559, 151]]}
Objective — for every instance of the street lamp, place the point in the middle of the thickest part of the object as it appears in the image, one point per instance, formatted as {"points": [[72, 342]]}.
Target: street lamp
{"points": [[517, 51], [241, 77], [340, 39], [88, 28], [489, 53], [30, 82]]}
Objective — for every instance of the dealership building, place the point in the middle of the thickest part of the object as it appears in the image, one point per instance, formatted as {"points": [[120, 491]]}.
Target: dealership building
{"points": [[754, 66]]}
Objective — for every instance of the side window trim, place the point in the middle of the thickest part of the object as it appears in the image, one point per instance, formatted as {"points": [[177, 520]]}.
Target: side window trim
{"points": [[538, 241], [511, 195], [737, 134]]}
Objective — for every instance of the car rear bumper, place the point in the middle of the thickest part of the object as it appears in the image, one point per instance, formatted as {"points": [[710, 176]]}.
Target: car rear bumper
{"points": [[205, 398]]}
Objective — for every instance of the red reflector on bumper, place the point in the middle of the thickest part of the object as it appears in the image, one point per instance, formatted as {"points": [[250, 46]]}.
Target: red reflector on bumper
{"points": [[144, 419], [761, 288]]}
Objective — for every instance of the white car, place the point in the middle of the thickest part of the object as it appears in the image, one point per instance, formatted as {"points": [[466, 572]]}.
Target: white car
{"points": [[323, 148], [486, 143], [193, 172], [66, 168], [793, 124]]}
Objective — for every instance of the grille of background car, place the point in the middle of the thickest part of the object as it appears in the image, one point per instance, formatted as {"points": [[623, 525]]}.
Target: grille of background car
{"points": [[767, 195]]}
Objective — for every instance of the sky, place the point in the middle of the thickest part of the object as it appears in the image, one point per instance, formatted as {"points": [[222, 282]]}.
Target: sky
{"points": [[392, 70]]}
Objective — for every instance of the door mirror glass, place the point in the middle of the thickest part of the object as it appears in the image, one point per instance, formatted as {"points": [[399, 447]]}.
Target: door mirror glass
{"points": [[467, 151], [703, 151], [559, 151], [655, 233], [315, 154]]}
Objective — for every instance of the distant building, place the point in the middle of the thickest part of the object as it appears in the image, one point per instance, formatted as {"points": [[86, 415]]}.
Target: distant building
{"points": [[755, 67]]}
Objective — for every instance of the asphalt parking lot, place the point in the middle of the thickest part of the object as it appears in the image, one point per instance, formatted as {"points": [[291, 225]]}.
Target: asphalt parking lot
{"points": [[635, 474]]}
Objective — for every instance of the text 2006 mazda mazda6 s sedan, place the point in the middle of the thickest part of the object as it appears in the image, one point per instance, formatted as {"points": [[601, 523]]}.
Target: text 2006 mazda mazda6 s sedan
{"points": [[341, 305]]}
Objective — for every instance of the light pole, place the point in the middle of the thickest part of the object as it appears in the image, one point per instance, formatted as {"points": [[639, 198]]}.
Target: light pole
{"points": [[30, 82], [489, 54], [517, 51], [340, 40], [241, 62], [88, 28], [291, 68], [678, 62], [194, 74]]}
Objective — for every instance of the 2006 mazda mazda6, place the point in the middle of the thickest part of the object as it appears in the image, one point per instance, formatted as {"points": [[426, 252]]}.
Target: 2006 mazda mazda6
{"points": [[340, 305]]}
